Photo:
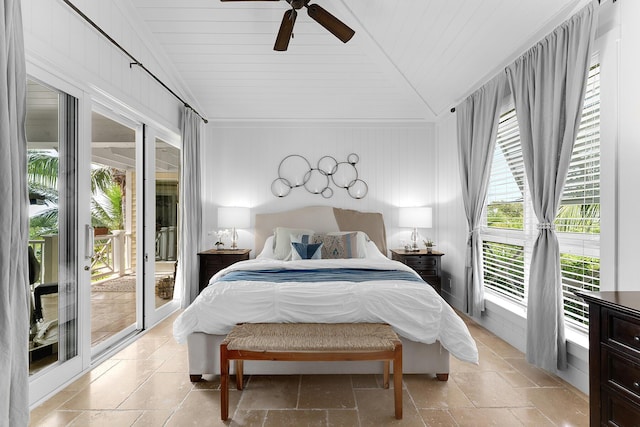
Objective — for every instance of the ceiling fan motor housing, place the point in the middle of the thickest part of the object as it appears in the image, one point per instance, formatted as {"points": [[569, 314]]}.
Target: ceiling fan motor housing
{"points": [[298, 4]]}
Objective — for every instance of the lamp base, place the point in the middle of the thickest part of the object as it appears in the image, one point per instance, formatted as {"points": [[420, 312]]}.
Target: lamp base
{"points": [[234, 239], [414, 240]]}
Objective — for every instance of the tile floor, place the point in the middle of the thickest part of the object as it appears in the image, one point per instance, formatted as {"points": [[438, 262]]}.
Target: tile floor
{"points": [[146, 384]]}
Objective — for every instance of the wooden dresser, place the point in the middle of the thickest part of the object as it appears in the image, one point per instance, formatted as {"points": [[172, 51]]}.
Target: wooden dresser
{"points": [[614, 358], [214, 260], [426, 264]]}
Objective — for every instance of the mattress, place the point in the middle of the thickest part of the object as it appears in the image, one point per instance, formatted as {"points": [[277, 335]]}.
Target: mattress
{"points": [[397, 296]]}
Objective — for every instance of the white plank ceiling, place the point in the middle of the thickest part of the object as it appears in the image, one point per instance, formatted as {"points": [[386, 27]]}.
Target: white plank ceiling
{"points": [[410, 60]]}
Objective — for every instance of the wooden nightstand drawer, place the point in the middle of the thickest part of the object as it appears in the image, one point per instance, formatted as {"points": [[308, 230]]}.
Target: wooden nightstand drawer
{"points": [[427, 265], [428, 273], [421, 262], [213, 260]]}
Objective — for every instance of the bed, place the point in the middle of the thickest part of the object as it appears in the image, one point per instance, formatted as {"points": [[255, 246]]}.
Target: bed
{"points": [[348, 279]]}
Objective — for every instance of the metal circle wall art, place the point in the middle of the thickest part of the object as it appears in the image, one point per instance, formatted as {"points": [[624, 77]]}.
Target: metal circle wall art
{"points": [[296, 171]]}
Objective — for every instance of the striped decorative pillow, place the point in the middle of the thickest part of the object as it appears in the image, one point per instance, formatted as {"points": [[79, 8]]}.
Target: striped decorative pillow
{"points": [[338, 246]]}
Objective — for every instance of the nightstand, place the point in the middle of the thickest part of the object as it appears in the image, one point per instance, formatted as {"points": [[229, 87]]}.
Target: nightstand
{"points": [[427, 265], [214, 260]]}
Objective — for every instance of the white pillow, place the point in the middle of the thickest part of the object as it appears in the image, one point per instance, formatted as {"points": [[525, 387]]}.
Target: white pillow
{"points": [[282, 248], [373, 252], [267, 250]]}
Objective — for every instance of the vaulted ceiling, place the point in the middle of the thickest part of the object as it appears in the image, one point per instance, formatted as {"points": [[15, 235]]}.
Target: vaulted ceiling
{"points": [[410, 60]]}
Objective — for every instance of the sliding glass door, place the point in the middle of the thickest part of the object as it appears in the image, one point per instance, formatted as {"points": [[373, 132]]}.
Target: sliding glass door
{"points": [[134, 200], [103, 190], [115, 206], [163, 172], [52, 172]]}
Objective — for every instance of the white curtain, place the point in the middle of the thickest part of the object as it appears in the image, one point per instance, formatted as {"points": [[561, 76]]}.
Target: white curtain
{"points": [[548, 86], [477, 120], [190, 208], [14, 222]]}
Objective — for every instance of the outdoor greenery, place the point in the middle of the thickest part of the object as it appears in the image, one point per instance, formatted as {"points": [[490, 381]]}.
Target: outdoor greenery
{"points": [[578, 272], [42, 179], [504, 269], [505, 215], [571, 218]]}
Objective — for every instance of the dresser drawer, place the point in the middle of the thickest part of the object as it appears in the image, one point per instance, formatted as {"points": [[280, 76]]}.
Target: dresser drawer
{"points": [[618, 411], [622, 372], [621, 330]]}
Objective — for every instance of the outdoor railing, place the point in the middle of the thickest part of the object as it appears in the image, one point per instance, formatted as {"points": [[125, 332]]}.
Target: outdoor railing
{"points": [[110, 256]]}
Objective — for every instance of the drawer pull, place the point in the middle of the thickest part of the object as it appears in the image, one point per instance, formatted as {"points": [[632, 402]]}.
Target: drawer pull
{"points": [[636, 338], [636, 384]]}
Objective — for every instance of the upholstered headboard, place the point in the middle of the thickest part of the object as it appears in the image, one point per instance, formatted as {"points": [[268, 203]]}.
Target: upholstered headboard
{"points": [[323, 219]]}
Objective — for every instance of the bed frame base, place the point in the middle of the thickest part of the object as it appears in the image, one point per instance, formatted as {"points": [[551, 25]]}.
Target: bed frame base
{"points": [[417, 358]]}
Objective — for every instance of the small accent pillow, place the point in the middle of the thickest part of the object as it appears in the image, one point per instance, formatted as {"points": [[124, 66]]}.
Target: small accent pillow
{"points": [[282, 241], [305, 251], [338, 246]]}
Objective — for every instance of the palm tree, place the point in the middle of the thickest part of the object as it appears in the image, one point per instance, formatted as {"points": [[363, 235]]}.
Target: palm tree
{"points": [[106, 206], [579, 218], [42, 177]]}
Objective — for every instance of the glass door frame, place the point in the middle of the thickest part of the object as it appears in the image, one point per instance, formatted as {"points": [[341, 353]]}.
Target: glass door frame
{"points": [[115, 340], [153, 315], [45, 382]]}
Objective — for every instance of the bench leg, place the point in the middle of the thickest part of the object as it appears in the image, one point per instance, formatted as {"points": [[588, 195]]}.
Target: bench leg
{"points": [[239, 368], [385, 375], [224, 383], [397, 381]]}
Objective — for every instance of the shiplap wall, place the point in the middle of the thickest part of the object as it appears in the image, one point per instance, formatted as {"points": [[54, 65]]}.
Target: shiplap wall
{"points": [[452, 225], [59, 41], [240, 161]]}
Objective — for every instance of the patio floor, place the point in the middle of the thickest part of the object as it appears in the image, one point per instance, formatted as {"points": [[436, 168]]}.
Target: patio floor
{"points": [[113, 308]]}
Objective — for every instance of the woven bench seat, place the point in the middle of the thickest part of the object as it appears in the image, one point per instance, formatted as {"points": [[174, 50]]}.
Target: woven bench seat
{"points": [[310, 342]]}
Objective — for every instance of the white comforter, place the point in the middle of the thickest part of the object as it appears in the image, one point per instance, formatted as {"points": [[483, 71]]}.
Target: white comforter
{"points": [[413, 309]]}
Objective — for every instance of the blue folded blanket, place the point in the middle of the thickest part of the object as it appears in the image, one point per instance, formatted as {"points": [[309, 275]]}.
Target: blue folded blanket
{"points": [[319, 275]]}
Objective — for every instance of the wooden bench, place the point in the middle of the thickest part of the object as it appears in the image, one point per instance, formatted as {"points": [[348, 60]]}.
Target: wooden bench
{"points": [[310, 342]]}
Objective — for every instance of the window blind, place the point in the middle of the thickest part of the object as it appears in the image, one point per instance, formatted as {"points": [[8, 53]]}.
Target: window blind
{"points": [[504, 269], [580, 204], [579, 273]]}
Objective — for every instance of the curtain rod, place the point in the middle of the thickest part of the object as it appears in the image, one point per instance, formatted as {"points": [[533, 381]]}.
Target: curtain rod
{"points": [[453, 110], [133, 59]]}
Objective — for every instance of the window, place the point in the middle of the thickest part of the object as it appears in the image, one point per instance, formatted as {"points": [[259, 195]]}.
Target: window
{"points": [[505, 207], [511, 230]]}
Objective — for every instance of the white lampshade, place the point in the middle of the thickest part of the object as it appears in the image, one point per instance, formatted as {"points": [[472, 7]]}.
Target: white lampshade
{"points": [[420, 217], [234, 217]]}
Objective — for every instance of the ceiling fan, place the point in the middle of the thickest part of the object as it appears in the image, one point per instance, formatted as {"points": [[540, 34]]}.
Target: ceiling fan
{"points": [[317, 13]]}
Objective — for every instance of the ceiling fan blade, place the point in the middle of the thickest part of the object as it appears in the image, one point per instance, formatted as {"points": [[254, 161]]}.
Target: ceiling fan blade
{"points": [[286, 29], [330, 22]]}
